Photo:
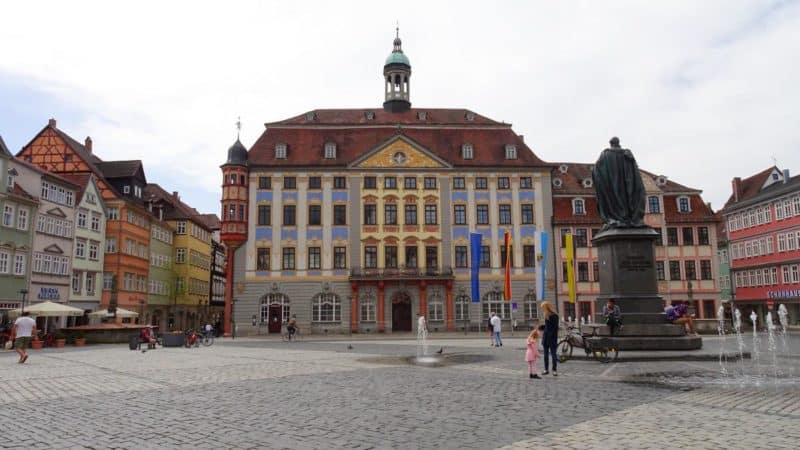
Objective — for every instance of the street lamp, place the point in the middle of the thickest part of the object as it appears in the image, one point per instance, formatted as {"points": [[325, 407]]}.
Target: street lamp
{"points": [[24, 293]]}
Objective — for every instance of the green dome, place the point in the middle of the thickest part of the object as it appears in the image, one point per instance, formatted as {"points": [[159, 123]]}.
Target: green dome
{"points": [[398, 58]]}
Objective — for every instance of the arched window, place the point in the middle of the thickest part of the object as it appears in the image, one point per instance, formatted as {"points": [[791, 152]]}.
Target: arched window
{"points": [[493, 302], [274, 299], [326, 307], [462, 302], [530, 307], [435, 306], [366, 305]]}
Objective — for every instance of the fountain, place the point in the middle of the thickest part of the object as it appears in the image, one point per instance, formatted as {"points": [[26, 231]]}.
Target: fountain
{"points": [[423, 358], [783, 316], [771, 346], [756, 342], [723, 359], [737, 326]]}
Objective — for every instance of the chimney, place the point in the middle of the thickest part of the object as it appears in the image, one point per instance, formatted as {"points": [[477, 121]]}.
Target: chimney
{"points": [[735, 187], [51, 123], [88, 144], [175, 195], [785, 176], [522, 137]]}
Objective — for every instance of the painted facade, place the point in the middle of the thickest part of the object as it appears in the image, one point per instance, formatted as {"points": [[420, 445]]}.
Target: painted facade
{"points": [[686, 262], [357, 220], [763, 223], [18, 209], [161, 278]]}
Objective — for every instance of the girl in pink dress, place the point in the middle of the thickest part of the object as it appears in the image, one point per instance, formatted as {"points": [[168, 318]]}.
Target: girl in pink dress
{"points": [[532, 353]]}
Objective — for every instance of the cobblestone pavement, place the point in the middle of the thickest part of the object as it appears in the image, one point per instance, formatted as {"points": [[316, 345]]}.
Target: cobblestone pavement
{"points": [[256, 393]]}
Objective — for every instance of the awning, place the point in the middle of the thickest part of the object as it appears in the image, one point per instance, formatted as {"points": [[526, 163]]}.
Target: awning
{"points": [[48, 309], [122, 313]]}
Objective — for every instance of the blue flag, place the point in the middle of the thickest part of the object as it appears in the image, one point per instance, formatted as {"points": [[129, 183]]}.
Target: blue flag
{"points": [[475, 265]]}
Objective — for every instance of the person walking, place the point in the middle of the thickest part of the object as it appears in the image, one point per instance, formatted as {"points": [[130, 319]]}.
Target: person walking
{"points": [[496, 325], [550, 337], [532, 353], [490, 327], [21, 333]]}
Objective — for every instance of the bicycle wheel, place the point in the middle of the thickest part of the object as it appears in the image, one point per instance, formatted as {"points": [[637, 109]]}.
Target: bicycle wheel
{"points": [[606, 354], [564, 350], [208, 340]]}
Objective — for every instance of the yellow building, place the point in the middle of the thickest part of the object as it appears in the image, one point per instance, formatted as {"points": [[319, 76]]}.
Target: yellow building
{"points": [[192, 258]]}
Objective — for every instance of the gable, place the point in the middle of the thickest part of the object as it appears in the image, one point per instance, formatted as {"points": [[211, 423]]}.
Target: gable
{"points": [[775, 176], [53, 248], [400, 153], [51, 152], [57, 212]]}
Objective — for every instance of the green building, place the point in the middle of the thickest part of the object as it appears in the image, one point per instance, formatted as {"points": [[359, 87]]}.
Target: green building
{"points": [[161, 276], [723, 263], [18, 210]]}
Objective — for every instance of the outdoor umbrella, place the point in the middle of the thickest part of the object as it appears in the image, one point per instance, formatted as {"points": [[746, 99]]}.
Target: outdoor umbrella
{"points": [[49, 309], [123, 313]]}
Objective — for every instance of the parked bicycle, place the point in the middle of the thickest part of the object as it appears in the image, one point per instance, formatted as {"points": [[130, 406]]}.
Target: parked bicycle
{"points": [[603, 349], [208, 338]]}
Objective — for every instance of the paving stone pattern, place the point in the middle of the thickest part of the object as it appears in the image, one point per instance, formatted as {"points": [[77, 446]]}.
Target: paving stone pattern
{"points": [[253, 393]]}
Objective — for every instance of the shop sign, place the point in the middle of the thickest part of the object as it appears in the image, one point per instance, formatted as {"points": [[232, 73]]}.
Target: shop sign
{"points": [[47, 293], [784, 294]]}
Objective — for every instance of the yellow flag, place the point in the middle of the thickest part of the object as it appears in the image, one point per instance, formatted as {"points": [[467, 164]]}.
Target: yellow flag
{"points": [[570, 269]]}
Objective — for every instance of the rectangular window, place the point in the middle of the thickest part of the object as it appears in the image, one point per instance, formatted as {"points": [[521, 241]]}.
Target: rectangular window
{"points": [[410, 214], [264, 215], [505, 214], [527, 214], [596, 271], [314, 183], [389, 182], [410, 182], [390, 257], [82, 222], [180, 255], [315, 215], [77, 278], [289, 183], [528, 256], [8, 216], [339, 182], [653, 205], [459, 184], [481, 183], [111, 245], [289, 218], [370, 257], [265, 182], [339, 257], [262, 258], [482, 214], [314, 258], [430, 215], [660, 237], [486, 256], [370, 215], [672, 236], [19, 264], [460, 215], [674, 270], [431, 258], [80, 249], [503, 183], [705, 269], [690, 270], [411, 256], [108, 281], [461, 256], [583, 271], [525, 183], [683, 204], [288, 258], [688, 235], [180, 227], [390, 214], [430, 182], [340, 214], [5, 261], [580, 238], [370, 183]]}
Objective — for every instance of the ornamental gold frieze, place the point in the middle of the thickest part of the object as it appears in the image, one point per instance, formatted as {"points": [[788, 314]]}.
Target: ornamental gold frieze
{"points": [[400, 155]]}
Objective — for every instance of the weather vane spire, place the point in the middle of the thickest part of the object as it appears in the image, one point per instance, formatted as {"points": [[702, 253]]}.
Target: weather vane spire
{"points": [[397, 29], [238, 126]]}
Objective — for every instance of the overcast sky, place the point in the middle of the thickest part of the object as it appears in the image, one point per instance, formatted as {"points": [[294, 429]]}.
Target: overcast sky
{"points": [[700, 91]]}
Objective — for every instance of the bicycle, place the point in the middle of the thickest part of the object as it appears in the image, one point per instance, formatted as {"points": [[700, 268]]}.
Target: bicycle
{"points": [[605, 351], [208, 338], [296, 336]]}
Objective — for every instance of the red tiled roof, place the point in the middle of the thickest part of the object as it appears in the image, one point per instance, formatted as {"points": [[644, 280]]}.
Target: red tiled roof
{"points": [[211, 221], [305, 145], [178, 210], [572, 181], [433, 116], [57, 177], [81, 179], [700, 211], [750, 186], [562, 212]]}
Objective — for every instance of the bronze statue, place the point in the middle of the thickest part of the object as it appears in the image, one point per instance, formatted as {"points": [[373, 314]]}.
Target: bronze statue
{"points": [[619, 188]]}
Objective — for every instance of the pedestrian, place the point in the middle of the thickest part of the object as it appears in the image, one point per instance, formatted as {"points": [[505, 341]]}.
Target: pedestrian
{"points": [[613, 315], [532, 353], [496, 322], [550, 337], [679, 314], [23, 330], [490, 327]]}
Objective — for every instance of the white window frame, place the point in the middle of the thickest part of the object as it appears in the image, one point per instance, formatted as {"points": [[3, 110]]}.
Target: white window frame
{"points": [[5, 261], [80, 249], [8, 215], [576, 210], [19, 264], [22, 219], [280, 151], [330, 150], [467, 151], [688, 204], [511, 151]]}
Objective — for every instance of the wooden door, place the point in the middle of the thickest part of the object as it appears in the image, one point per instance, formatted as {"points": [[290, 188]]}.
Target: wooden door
{"points": [[275, 318], [401, 312]]}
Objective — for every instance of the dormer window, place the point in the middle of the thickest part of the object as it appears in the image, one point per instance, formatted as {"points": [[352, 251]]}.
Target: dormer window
{"points": [[563, 168], [12, 173], [557, 182], [422, 115], [369, 115], [126, 189], [683, 205], [280, 151], [467, 152], [578, 207], [470, 117], [661, 180], [511, 151], [653, 205], [587, 182], [330, 150], [137, 191], [775, 176], [311, 115]]}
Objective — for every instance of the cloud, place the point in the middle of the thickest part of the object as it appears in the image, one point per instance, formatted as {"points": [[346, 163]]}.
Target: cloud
{"points": [[699, 95]]}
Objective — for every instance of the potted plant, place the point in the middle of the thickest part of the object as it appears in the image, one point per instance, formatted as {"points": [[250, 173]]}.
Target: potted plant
{"points": [[36, 344], [61, 339], [80, 339]]}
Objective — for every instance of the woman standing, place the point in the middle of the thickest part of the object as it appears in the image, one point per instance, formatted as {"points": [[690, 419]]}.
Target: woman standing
{"points": [[550, 337]]}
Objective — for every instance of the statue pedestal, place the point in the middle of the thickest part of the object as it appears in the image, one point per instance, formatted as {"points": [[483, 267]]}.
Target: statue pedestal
{"points": [[626, 258]]}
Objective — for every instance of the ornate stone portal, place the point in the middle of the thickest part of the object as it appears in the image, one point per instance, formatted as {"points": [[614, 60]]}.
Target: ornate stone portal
{"points": [[626, 250]]}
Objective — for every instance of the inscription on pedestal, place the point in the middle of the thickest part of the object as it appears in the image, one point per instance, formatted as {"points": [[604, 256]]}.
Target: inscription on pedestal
{"points": [[635, 263]]}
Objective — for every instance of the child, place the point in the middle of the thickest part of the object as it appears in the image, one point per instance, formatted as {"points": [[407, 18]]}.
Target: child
{"points": [[533, 352]]}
